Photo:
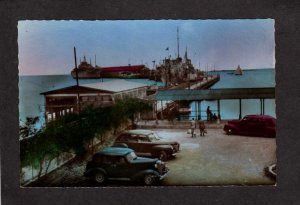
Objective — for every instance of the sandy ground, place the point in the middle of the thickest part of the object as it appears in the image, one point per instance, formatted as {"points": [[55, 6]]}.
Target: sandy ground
{"points": [[215, 159]]}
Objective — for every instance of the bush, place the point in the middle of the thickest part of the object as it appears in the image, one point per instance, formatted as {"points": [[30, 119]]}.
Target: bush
{"points": [[73, 131]]}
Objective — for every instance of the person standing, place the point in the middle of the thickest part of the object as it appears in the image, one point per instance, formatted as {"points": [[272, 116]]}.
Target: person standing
{"points": [[201, 127], [208, 113], [193, 126]]}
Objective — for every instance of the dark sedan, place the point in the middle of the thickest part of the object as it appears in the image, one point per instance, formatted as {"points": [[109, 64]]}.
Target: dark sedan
{"points": [[253, 125], [148, 144]]}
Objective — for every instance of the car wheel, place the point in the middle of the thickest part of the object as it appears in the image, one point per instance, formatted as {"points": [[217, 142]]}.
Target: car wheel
{"points": [[149, 179], [99, 177], [163, 155], [229, 132]]}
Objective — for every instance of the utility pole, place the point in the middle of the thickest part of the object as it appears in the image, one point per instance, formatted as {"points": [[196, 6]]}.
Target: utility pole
{"points": [[177, 42], [77, 82]]}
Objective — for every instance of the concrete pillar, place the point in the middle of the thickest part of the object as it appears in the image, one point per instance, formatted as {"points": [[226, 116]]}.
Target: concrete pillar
{"points": [[240, 113], [263, 106], [219, 115], [199, 105], [197, 110], [260, 103], [156, 121], [161, 111]]}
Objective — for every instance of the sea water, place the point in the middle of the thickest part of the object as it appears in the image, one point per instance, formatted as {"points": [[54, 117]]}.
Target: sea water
{"points": [[31, 102], [229, 109]]}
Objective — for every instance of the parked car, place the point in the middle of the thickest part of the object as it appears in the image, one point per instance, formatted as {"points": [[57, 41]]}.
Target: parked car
{"points": [[122, 163], [254, 125], [147, 143]]}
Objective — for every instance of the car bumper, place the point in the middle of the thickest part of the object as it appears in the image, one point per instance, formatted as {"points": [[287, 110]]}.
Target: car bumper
{"points": [[175, 152], [161, 177]]}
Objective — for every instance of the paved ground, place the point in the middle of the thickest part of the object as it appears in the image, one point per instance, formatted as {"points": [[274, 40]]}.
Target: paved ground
{"points": [[216, 159]]}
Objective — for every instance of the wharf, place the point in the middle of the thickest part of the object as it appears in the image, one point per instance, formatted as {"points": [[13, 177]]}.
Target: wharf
{"points": [[165, 105]]}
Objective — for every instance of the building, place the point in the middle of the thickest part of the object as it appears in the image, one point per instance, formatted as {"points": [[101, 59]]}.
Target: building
{"points": [[62, 101]]}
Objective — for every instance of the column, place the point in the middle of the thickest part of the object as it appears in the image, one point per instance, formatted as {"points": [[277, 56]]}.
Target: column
{"points": [[199, 105], [240, 114], [219, 115]]}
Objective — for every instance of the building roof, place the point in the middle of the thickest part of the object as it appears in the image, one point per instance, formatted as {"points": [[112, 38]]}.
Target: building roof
{"points": [[112, 86], [131, 68], [216, 94], [115, 85]]}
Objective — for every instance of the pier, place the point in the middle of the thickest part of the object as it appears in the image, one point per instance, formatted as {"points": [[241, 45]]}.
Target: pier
{"points": [[163, 108], [217, 94]]}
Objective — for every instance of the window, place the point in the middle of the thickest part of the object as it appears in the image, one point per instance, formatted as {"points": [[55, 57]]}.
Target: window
{"points": [[132, 138], [143, 138], [123, 137]]}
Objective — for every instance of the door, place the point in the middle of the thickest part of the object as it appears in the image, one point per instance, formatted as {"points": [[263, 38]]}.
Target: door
{"points": [[117, 167], [247, 126]]}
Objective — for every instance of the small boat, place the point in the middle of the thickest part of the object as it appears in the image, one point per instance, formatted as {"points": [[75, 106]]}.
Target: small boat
{"points": [[238, 71]]}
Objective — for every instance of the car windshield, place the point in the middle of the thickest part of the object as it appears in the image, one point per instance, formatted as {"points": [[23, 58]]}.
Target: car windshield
{"points": [[131, 156], [154, 137]]}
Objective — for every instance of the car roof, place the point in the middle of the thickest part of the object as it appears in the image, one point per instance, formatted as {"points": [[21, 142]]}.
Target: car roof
{"points": [[260, 116], [114, 151], [145, 132]]}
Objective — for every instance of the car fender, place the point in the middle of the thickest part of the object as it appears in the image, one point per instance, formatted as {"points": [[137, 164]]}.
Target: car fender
{"points": [[167, 148], [230, 126], [140, 174], [92, 171]]}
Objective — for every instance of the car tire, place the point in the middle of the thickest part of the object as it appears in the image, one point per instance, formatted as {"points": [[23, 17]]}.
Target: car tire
{"points": [[229, 132], [163, 156], [99, 177], [149, 179]]}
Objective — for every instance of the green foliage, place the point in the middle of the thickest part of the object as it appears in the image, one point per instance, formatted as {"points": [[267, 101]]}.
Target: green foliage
{"points": [[73, 131], [28, 128]]}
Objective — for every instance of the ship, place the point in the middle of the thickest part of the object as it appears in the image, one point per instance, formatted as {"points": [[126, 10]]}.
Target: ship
{"points": [[238, 71], [178, 70], [86, 70]]}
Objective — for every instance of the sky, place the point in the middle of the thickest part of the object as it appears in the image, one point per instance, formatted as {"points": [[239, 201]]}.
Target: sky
{"points": [[46, 47]]}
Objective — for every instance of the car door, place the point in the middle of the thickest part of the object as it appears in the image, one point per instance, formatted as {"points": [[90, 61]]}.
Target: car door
{"points": [[117, 167], [132, 142], [129, 140], [144, 147], [258, 127], [246, 126]]}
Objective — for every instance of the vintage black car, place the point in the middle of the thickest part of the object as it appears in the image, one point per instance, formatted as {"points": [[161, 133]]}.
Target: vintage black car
{"points": [[123, 164], [147, 143]]}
